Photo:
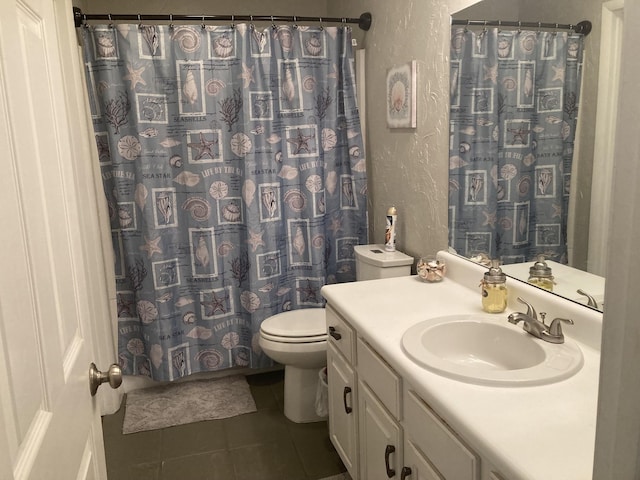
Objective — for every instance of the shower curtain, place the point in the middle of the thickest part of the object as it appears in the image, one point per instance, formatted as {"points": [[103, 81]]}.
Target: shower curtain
{"points": [[514, 107], [234, 172]]}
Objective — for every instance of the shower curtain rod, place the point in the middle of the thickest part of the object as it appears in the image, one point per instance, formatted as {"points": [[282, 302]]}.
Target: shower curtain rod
{"points": [[583, 27], [364, 21]]}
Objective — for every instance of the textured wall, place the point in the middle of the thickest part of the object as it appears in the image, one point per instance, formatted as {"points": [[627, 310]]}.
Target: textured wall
{"points": [[408, 168], [219, 7]]}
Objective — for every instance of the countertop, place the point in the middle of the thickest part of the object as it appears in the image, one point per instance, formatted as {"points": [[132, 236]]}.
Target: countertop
{"points": [[531, 433]]}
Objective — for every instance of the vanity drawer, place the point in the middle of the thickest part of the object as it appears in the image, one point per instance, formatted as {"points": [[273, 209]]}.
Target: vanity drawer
{"points": [[453, 459], [380, 377], [341, 334]]}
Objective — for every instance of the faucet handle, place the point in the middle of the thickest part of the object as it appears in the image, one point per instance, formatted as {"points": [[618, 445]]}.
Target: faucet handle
{"points": [[555, 329], [543, 315], [530, 310]]}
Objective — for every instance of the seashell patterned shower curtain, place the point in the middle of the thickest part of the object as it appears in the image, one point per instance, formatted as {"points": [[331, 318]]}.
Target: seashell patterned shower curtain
{"points": [[234, 171], [514, 107]]}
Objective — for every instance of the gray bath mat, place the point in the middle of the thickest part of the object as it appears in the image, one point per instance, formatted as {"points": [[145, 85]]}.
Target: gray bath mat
{"points": [[187, 402]]}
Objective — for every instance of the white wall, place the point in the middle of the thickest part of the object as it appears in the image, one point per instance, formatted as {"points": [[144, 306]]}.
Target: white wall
{"points": [[618, 428], [407, 168], [202, 7]]}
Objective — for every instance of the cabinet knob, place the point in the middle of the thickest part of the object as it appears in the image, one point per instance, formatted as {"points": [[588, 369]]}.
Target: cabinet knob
{"points": [[345, 392], [334, 334], [387, 453], [406, 472]]}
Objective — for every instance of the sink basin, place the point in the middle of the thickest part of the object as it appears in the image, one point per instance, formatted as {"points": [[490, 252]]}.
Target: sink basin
{"points": [[487, 350]]}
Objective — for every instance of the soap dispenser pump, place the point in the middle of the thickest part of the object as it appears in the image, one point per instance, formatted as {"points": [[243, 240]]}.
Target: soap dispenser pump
{"points": [[540, 274], [494, 289]]}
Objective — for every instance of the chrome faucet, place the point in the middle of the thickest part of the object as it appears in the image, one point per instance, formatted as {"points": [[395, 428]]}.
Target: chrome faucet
{"points": [[549, 333], [591, 302]]}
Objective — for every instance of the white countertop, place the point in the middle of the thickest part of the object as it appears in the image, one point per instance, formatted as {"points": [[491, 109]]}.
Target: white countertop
{"points": [[535, 433]]}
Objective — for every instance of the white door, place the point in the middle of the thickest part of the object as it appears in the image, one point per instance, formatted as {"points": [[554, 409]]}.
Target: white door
{"points": [[380, 438], [51, 267], [343, 412], [417, 467]]}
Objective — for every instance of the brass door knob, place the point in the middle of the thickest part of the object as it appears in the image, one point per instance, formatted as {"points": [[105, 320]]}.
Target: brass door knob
{"points": [[97, 378]]}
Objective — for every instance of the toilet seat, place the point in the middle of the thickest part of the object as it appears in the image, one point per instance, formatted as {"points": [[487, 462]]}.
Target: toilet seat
{"points": [[276, 338], [296, 326]]}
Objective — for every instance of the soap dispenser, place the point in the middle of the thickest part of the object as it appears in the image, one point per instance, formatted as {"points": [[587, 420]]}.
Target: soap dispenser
{"points": [[494, 289], [540, 274]]}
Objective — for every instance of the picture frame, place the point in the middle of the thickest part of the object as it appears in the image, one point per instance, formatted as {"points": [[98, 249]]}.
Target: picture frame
{"points": [[401, 96]]}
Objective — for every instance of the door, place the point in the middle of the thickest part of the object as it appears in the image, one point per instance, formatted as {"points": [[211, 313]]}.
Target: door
{"points": [[51, 258], [380, 438], [416, 465], [343, 416]]}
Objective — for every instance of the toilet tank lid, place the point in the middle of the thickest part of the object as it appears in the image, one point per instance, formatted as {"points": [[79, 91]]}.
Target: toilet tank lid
{"points": [[376, 255]]}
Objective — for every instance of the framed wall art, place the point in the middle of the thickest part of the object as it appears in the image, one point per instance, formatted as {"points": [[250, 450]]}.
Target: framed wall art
{"points": [[401, 96]]}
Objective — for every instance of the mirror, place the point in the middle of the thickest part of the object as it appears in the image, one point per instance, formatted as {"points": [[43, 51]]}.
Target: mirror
{"points": [[585, 269]]}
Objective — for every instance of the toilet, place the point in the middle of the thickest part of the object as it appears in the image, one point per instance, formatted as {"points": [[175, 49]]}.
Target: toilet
{"points": [[297, 339]]}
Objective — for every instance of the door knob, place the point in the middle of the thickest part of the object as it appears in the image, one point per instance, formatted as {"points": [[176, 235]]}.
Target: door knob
{"points": [[97, 378]]}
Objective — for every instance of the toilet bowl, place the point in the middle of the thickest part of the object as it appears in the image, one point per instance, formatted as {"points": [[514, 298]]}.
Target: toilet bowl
{"points": [[298, 340]]}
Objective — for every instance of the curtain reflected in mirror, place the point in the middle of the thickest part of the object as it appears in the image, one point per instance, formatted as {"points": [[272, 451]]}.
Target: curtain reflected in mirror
{"points": [[514, 107]]}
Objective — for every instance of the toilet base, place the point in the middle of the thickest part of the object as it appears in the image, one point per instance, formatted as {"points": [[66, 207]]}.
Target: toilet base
{"points": [[300, 387]]}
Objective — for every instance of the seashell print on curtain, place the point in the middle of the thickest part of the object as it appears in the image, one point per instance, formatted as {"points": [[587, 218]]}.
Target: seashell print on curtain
{"points": [[514, 108], [232, 166]]}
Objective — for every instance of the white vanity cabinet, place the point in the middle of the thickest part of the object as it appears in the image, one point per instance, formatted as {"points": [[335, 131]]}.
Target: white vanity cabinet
{"points": [[381, 428], [416, 466], [343, 394], [379, 403], [443, 450]]}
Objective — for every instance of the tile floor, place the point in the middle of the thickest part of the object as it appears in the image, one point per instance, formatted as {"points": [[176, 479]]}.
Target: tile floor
{"points": [[263, 445]]}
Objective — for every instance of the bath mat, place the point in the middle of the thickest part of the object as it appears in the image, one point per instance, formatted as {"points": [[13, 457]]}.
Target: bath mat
{"points": [[341, 476], [187, 402]]}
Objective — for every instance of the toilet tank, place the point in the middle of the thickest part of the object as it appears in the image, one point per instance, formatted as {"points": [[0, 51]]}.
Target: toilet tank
{"points": [[373, 262]]}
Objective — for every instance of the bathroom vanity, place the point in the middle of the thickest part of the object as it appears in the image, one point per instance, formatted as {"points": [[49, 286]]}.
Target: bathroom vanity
{"points": [[392, 417]]}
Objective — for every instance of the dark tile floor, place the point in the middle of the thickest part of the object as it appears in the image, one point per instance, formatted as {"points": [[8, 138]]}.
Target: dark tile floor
{"points": [[263, 445]]}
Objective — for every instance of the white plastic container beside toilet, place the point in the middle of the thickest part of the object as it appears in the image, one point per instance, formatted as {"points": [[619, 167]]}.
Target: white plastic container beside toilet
{"points": [[298, 339]]}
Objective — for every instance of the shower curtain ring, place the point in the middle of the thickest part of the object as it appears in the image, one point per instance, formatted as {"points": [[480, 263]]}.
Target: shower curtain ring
{"points": [[295, 22], [484, 29], [273, 25], [539, 27], [555, 32], [321, 27], [251, 25], [139, 21], [519, 26], [466, 27], [499, 26], [84, 20], [171, 21], [203, 25], [110, 22], [233, 21]]}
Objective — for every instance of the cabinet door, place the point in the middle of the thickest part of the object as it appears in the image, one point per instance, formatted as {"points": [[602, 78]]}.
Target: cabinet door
{"points": [[444, 448], [380, 438], [416, 466], [343, 420]]}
